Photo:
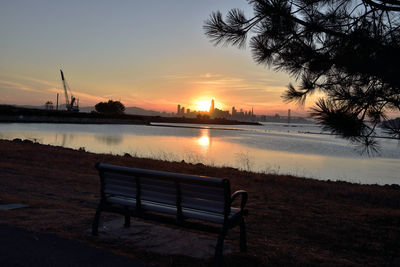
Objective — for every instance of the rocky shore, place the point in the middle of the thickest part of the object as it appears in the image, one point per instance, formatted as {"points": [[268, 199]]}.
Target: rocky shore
{"points": [[292, 220]]}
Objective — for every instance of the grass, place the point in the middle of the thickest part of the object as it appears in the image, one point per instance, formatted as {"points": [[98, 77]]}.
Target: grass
{"points": [[292, 220]]}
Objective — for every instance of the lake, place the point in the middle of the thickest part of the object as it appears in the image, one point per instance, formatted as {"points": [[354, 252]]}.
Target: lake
{"points": [[297, 149]]}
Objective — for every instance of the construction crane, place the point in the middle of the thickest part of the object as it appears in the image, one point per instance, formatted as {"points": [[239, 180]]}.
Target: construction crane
{"points": [[73, 104]]}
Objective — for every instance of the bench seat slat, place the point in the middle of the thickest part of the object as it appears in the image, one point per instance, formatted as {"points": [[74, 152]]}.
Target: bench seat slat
{"points": [[119, 193], [202, 204], [146, 205], [160, 207], [122, 201], [159, 189], [118, 176], [209, 216], [131, 184], [156, 182], [120, 190], [158, 197], [209, 196]]}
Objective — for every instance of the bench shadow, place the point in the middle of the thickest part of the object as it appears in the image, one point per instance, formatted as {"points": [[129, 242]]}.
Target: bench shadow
{"points": [[165, 240]]}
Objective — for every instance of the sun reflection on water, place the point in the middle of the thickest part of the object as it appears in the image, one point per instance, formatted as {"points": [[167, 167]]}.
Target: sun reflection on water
{"points": [[204, 139]]}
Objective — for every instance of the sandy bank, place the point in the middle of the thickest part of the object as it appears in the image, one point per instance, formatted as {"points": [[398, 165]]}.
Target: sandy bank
{"points": [[291, 220]]}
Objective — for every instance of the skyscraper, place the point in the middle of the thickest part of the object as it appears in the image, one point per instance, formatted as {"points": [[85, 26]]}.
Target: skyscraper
{"points": [[179, 109], [212, 107]]}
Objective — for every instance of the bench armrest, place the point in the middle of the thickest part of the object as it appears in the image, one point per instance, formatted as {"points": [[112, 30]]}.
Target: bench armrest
{"points": [[244, 198]]}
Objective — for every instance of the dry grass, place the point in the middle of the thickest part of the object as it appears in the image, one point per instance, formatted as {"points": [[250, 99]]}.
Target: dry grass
{"points": [[292, 221]]}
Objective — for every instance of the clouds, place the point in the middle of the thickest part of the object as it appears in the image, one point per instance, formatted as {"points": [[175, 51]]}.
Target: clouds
{"points": [[9, 86], [22, 89], [160, 93], [248, 90]]}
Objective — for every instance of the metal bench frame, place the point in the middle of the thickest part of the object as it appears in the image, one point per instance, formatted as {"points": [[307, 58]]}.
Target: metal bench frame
{"points": [[135, 209]]}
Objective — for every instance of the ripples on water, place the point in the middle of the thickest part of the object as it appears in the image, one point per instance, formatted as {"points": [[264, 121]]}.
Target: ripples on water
{"points": [[295, 149]]}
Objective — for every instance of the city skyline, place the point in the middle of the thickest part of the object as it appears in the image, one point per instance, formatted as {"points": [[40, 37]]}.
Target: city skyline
{"points": [[236, 114], [210, 109]]}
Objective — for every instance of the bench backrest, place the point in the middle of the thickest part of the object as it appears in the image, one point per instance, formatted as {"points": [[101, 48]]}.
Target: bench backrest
{"points": [[183, 191]]}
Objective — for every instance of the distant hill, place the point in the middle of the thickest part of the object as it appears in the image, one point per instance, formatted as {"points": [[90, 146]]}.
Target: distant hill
{"points": [[141, 111], [27, 106], [128, 110]]}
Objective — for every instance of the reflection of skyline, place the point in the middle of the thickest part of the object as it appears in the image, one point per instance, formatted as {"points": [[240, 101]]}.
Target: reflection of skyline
{"points": [[205, 139], [64, 138], [109, 139]]}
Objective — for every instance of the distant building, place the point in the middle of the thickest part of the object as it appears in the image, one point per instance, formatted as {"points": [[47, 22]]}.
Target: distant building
{"points": [[212, 107], [49, 105], [178, 109], [217, 113]]}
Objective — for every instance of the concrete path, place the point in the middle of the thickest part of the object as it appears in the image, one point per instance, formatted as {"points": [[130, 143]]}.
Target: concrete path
{"points": [[19, 247], [163, 239]]}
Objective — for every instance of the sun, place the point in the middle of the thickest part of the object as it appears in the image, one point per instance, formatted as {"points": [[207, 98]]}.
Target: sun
{"points": [[202, 105]]}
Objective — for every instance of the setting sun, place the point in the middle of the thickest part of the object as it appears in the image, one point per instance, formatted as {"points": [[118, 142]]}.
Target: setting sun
{"points": [[203, 105]]}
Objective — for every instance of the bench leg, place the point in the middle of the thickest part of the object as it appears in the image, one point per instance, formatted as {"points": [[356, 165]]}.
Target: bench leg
{"points": [[95, 225], [220, 248], [243, 240], [127, 218], [127, 221]]}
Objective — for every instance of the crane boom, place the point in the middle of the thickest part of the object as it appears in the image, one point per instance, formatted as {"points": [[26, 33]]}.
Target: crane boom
{"points": [[65, 90], [73, 104]]}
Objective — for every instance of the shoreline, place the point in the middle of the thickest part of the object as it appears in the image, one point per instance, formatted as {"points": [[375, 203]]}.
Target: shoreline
{"points": [[292, 220], [11, 114], [197, 127]]}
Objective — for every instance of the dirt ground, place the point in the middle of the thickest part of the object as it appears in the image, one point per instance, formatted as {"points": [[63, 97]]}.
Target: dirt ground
{"points": [[292, 221], [19, 247]]}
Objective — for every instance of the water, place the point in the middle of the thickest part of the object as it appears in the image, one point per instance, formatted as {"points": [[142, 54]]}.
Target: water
{"points": [[273, 147]]}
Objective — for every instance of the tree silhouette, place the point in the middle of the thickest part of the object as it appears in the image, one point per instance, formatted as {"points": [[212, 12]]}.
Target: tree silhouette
{"points": [[110, 108], [349, 50]]}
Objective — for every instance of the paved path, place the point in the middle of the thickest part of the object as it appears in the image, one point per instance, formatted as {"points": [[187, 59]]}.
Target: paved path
{"points": [[163, 239], [19, 247]]}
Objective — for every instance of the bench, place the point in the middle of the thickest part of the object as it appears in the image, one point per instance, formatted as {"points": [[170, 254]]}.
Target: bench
{"points": [[179, 197]]}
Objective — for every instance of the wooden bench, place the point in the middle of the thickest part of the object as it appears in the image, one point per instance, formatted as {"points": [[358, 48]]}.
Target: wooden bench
{"points": [[149, 194]]}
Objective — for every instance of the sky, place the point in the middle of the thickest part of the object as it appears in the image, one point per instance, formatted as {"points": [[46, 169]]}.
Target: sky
{"points": [[151, 54]]}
